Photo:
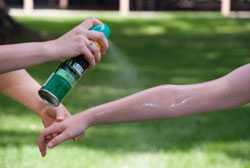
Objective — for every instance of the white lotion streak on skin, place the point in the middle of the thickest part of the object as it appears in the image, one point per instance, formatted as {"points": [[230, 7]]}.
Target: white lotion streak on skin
{"points": [[177, 104], [180, 101], [165, 101], [151, 105]]}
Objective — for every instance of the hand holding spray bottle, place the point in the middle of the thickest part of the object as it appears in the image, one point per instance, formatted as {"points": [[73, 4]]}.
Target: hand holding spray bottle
{"points": [[68, 74]]}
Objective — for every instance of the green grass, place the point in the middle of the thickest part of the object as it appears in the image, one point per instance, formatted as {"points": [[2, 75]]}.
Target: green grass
{"points": [[176, 48]]}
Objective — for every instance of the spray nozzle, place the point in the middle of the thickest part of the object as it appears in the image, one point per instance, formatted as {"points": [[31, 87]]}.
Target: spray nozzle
{"points": [[102, 28]]}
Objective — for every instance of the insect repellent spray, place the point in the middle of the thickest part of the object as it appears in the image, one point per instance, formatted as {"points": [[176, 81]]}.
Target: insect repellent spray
{"points": [[67, 74]]}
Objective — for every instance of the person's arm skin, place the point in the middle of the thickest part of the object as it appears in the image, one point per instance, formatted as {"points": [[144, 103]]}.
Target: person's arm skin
{"points": [[20, 86], [161, 102], [73, 43]]}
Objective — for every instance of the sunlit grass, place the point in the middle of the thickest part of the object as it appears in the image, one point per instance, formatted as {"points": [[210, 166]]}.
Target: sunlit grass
{"points": [[173, 48]]}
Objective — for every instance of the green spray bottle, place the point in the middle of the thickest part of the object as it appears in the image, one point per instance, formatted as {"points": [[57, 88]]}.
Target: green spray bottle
{"points": [[67, 74]]}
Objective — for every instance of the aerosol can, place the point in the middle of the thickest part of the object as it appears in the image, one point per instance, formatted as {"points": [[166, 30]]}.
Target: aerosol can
{"points": [[67, 74]]}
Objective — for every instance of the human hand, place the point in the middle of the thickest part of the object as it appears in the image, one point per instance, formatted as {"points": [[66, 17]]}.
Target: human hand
{"points": [[80, 41], [70, 128], [50, 115]]}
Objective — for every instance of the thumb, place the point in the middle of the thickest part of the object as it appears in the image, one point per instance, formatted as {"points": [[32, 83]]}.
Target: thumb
{"points": [[60, 115]]}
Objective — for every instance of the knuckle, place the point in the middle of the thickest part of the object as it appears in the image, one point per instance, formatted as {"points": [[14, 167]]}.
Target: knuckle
{"points": [[56, 126], [82, 45], [80, 30], [88, 20], [100, 35], [82, 48], [54, 141], [77, 39], [68, 134], [81, 38]]}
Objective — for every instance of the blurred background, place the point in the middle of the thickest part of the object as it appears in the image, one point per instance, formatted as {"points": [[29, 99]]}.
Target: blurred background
{"points": [[153, 42]]}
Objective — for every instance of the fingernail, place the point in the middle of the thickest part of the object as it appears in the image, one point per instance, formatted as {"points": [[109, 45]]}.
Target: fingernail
{"points": [[60, 118], [50, 145], [43, 154]]}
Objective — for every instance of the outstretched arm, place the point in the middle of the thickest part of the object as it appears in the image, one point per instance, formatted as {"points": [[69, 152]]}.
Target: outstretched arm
{"points": [[177, 100], [158, 103], [20, 86], [73, 43]]}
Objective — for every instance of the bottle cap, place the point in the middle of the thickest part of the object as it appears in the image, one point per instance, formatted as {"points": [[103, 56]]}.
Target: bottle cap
{"points": [[102, 28]]}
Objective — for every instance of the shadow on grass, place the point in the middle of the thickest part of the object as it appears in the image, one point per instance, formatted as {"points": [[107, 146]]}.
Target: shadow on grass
{"points": [[224, 132], [180, 50]]}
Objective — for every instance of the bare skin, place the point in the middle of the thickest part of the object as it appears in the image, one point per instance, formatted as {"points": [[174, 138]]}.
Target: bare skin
{"points": [[162, 102], [73, 43], [20, 86]]}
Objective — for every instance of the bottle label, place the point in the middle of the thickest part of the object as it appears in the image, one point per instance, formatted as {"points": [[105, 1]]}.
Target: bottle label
{"points": [[67, 76], [78, 68]]}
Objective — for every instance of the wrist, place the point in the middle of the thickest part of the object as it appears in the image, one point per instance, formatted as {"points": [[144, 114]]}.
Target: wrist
{"points": [[37, 105], [97, 115], [88, 118], [42, 108], [51, 51]]}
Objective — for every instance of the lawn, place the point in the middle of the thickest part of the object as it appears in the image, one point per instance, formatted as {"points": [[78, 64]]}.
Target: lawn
{"points": [[173, 48]]}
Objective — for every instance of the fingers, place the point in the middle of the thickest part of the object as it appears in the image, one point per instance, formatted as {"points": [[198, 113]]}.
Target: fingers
{"points": [[61, 113], [53, 130], [48, 137], [100, 38], [59, 139], [88, 55], [91, 52], [48, 132], [67, 114], [42, 145], [88, 23], [95, 51]]}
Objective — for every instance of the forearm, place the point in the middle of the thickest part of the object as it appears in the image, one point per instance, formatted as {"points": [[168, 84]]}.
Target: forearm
{"points": [[157, 103], [18, 56], [174, 101], [20, 86]]}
